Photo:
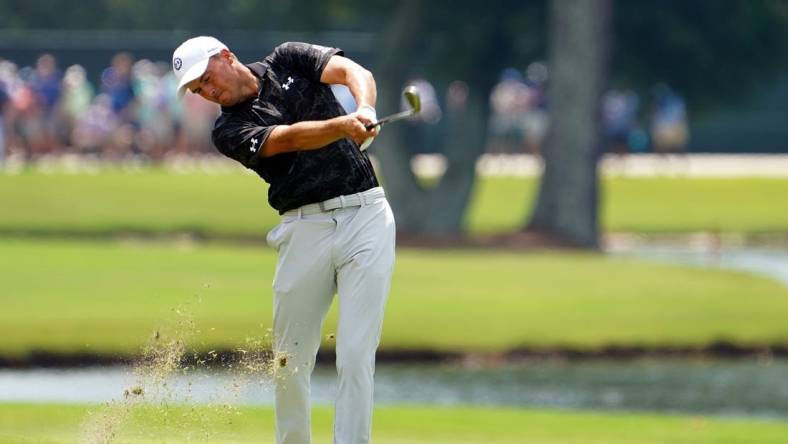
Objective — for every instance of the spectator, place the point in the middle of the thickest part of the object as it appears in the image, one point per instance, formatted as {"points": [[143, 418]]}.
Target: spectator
{"points": [[619, 112], [116, 81], [457, 97], [669, 129], [195, 131], [10, 83], [29, 118], [4, 101], [453, 128], [536, 119], [75, 100], [46, 83], [421, 126], [95, 126], [34, 102], [509, 104], [169, 105], [155, 134]]}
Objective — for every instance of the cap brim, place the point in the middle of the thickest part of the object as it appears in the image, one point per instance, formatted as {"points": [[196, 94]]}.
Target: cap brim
{"points": [[193, 73]]}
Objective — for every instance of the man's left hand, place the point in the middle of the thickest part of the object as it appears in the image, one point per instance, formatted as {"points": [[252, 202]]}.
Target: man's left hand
{"points": [[366, 114]]}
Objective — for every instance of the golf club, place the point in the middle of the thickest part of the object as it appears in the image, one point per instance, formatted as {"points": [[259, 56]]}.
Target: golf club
{"points": [[411, 95]]}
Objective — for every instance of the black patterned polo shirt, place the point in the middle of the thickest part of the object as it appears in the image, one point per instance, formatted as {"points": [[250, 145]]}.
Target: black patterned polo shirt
{"points": [[291, 92]]}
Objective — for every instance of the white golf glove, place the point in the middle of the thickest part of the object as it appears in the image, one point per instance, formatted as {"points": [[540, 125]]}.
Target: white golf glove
{"points": [[368, 112]]}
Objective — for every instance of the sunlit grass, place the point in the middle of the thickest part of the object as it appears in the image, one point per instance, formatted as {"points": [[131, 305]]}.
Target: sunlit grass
{"points": [[109, 297], [54, 423], [234, 203]]}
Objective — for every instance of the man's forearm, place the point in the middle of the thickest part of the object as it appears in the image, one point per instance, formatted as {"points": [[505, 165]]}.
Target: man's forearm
{"points": [[311, 135], [359, 80], [302, 136], [361, 84]]}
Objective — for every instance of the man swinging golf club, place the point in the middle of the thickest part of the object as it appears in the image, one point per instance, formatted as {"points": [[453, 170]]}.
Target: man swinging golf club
{"points": [[280, 119]]}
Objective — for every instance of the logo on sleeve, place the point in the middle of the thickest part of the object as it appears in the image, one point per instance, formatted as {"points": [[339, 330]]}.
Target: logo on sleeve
{"points": [[177, 63], [289, 82], [254, 142]]}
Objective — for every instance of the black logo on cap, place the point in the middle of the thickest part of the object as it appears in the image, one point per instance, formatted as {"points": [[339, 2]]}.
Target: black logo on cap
{"points": [[177, 63]]}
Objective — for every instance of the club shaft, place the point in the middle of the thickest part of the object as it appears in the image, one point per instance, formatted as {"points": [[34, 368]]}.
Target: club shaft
{"points": [[391, 118]]}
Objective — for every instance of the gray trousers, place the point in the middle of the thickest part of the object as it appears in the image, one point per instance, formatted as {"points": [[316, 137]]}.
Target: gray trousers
{"points": [[345, 246]]}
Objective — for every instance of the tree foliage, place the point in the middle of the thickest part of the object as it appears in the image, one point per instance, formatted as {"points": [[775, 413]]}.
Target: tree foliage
{"points": [[713, 52]]}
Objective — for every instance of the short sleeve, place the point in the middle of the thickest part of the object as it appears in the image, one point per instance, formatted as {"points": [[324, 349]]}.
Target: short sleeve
{"points": [[308, 59], [240, 140]]}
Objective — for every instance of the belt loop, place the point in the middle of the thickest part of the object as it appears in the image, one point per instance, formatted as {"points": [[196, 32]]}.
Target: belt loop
{"points": [[300, 212], [341, 201], [362, 199]]}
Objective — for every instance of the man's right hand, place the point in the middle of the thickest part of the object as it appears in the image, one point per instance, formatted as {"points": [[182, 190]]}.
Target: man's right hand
{"points": [[353, 126]]}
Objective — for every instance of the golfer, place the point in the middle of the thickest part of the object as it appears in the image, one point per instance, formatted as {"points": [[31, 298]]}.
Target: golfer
{"points": [[280, 119]]}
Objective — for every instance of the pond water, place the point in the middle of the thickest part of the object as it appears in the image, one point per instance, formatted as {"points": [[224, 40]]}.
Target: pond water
{"points": [[726, 387], [768, 262]]}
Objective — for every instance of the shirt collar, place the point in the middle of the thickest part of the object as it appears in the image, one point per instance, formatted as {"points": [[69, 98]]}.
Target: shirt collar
{"points": [[259, 70]]}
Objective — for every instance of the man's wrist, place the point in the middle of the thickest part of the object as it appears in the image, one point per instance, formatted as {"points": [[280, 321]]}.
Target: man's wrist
{"points": [[368, 111]]}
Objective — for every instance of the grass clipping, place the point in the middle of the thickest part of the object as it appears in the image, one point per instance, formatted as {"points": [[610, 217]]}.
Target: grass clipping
{"points": [[161, 401]]}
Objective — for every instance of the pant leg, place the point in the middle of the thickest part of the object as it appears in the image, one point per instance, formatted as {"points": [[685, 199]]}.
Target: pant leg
{"points": [[304, 286], [363, 281]]}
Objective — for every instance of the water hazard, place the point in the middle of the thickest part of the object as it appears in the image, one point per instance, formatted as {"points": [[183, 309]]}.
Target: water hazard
{"points": [[718, 387]]}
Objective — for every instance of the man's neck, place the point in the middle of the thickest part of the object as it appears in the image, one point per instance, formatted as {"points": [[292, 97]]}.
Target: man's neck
{"points": [[250, 84]]}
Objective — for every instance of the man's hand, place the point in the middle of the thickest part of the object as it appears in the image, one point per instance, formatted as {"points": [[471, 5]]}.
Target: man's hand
{"points": [[367, 115], [353, 126]]}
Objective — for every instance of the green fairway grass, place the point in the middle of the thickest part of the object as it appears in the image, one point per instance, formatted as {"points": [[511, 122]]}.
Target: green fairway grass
{"points": [[234, 203], [149, 201], [648, 205], [27, 423], [109, 297]]}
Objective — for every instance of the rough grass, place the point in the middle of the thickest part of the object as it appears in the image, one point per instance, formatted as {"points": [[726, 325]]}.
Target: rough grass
{"points": [[53, 423], [235, 203], [108, 298]]}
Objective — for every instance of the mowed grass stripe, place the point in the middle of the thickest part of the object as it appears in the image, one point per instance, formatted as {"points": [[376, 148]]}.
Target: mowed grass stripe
{"points": [[55, 423], [235, 204], [108, 298]]}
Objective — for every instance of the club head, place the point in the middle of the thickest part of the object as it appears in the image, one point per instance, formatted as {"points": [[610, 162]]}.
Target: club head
{"points": [[411, 94]]}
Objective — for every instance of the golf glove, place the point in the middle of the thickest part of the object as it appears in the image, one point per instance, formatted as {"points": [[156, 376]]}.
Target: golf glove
{"points": [[368, 112]]}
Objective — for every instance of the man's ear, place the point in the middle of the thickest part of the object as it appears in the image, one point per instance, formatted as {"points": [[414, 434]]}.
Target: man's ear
{"points": [[226, 55]]}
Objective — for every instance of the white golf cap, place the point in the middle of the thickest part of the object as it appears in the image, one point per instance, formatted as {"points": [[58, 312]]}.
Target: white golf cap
{"points": [[191, 58]]}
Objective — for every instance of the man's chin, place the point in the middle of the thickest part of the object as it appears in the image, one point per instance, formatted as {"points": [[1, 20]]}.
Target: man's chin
{"points": [[226, 101]]}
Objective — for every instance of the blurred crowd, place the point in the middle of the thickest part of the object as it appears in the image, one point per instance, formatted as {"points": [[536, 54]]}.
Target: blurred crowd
{"points": [[519, 116], [131, 112]]}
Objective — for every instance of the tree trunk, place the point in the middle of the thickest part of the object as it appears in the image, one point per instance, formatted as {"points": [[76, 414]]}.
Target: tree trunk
{"points": [[463, 143], [425, 211], [399, 41], [567, 204]]}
